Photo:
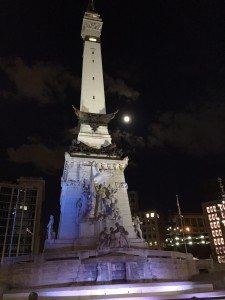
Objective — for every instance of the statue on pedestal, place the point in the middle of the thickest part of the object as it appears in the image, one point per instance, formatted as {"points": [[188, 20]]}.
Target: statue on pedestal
{"points": [[137, 227]]}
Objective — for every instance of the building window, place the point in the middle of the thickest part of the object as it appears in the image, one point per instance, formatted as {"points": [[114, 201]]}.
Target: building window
{"points": [[93, 97]]}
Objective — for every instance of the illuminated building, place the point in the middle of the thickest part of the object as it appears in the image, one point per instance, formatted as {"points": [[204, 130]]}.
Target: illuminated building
{"points": [[194, 233], [215, 216], [214, 212], [152, 228], [20, 211]]}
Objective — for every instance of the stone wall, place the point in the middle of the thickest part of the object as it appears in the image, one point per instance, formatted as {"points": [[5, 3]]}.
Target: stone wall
{"points": [[92, 266]]}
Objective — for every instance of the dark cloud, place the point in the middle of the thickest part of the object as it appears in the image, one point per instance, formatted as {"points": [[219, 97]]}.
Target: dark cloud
{"points": [[40, 82], [119, 87], [198, 130], [128, 140], [44, 158]]}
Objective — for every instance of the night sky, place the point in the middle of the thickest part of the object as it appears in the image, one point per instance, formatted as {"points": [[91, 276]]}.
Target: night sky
{"points": [[164, 64]]}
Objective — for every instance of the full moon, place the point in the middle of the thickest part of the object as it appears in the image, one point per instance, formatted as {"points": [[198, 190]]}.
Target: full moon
{"points": [[126, 119]]}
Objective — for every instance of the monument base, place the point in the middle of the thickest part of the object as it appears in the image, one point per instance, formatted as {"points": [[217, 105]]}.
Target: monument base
{"points": [[163, 290], [55, 268]]}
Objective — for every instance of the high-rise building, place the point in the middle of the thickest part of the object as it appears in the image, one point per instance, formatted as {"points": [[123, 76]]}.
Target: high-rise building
{"points": [[214, 212], [134, 201], [191, 233], [153, 230], [20, 212]]}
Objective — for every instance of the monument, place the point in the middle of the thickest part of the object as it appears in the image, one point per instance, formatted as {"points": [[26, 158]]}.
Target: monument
{"points": [[97, 241], [94, 192]]}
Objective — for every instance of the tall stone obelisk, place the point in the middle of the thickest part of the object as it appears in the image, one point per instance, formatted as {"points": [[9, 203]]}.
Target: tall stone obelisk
{"points": [[94, 201]]}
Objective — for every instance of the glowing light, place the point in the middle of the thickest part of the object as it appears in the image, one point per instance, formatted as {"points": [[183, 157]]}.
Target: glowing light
{"points": [[147, 215], [152, 215], [23, 207], [187, 229], [190, 243], [92, 39], [126, 119]]}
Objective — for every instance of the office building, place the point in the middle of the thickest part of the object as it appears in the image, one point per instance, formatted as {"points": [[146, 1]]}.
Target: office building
{"points": [[20, 212]]}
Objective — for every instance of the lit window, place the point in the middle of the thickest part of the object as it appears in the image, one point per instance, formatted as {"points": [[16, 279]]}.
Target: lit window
{"points": [[152, 215], [189, 237], [177, 243], [176, 238], [190, 243], [23, 207], [203, 242], [147, 215], [202, 237], [187, 229]]}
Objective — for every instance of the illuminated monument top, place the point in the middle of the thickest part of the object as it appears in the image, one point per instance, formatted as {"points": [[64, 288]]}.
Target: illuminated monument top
{"points": [[94, 203]]}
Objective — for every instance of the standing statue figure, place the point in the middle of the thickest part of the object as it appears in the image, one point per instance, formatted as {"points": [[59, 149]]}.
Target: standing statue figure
{"points": [[50, 231], [100, 208], [137, 227]]}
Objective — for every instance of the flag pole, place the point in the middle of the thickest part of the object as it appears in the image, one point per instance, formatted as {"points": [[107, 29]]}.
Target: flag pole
{"points": [[181, 222]]}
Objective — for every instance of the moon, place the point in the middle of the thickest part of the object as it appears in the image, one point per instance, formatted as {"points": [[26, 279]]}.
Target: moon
{"points": [[126, 119]]}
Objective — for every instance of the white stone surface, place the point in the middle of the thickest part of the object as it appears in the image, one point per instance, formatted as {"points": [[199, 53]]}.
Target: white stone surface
{"points": [[118, 291], [74, 224], [75, 267], [92, 87], [92, 138]]}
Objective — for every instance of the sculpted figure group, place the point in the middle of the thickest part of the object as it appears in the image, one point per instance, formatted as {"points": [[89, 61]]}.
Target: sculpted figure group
{"points": [[115, 238], [97, 201], [106, 202]]}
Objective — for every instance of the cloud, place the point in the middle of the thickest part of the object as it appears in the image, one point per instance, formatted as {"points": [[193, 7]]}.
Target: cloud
{"points": [[44, 158], [41, 82], [126, 139], [198, 130], [119, 87]]}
